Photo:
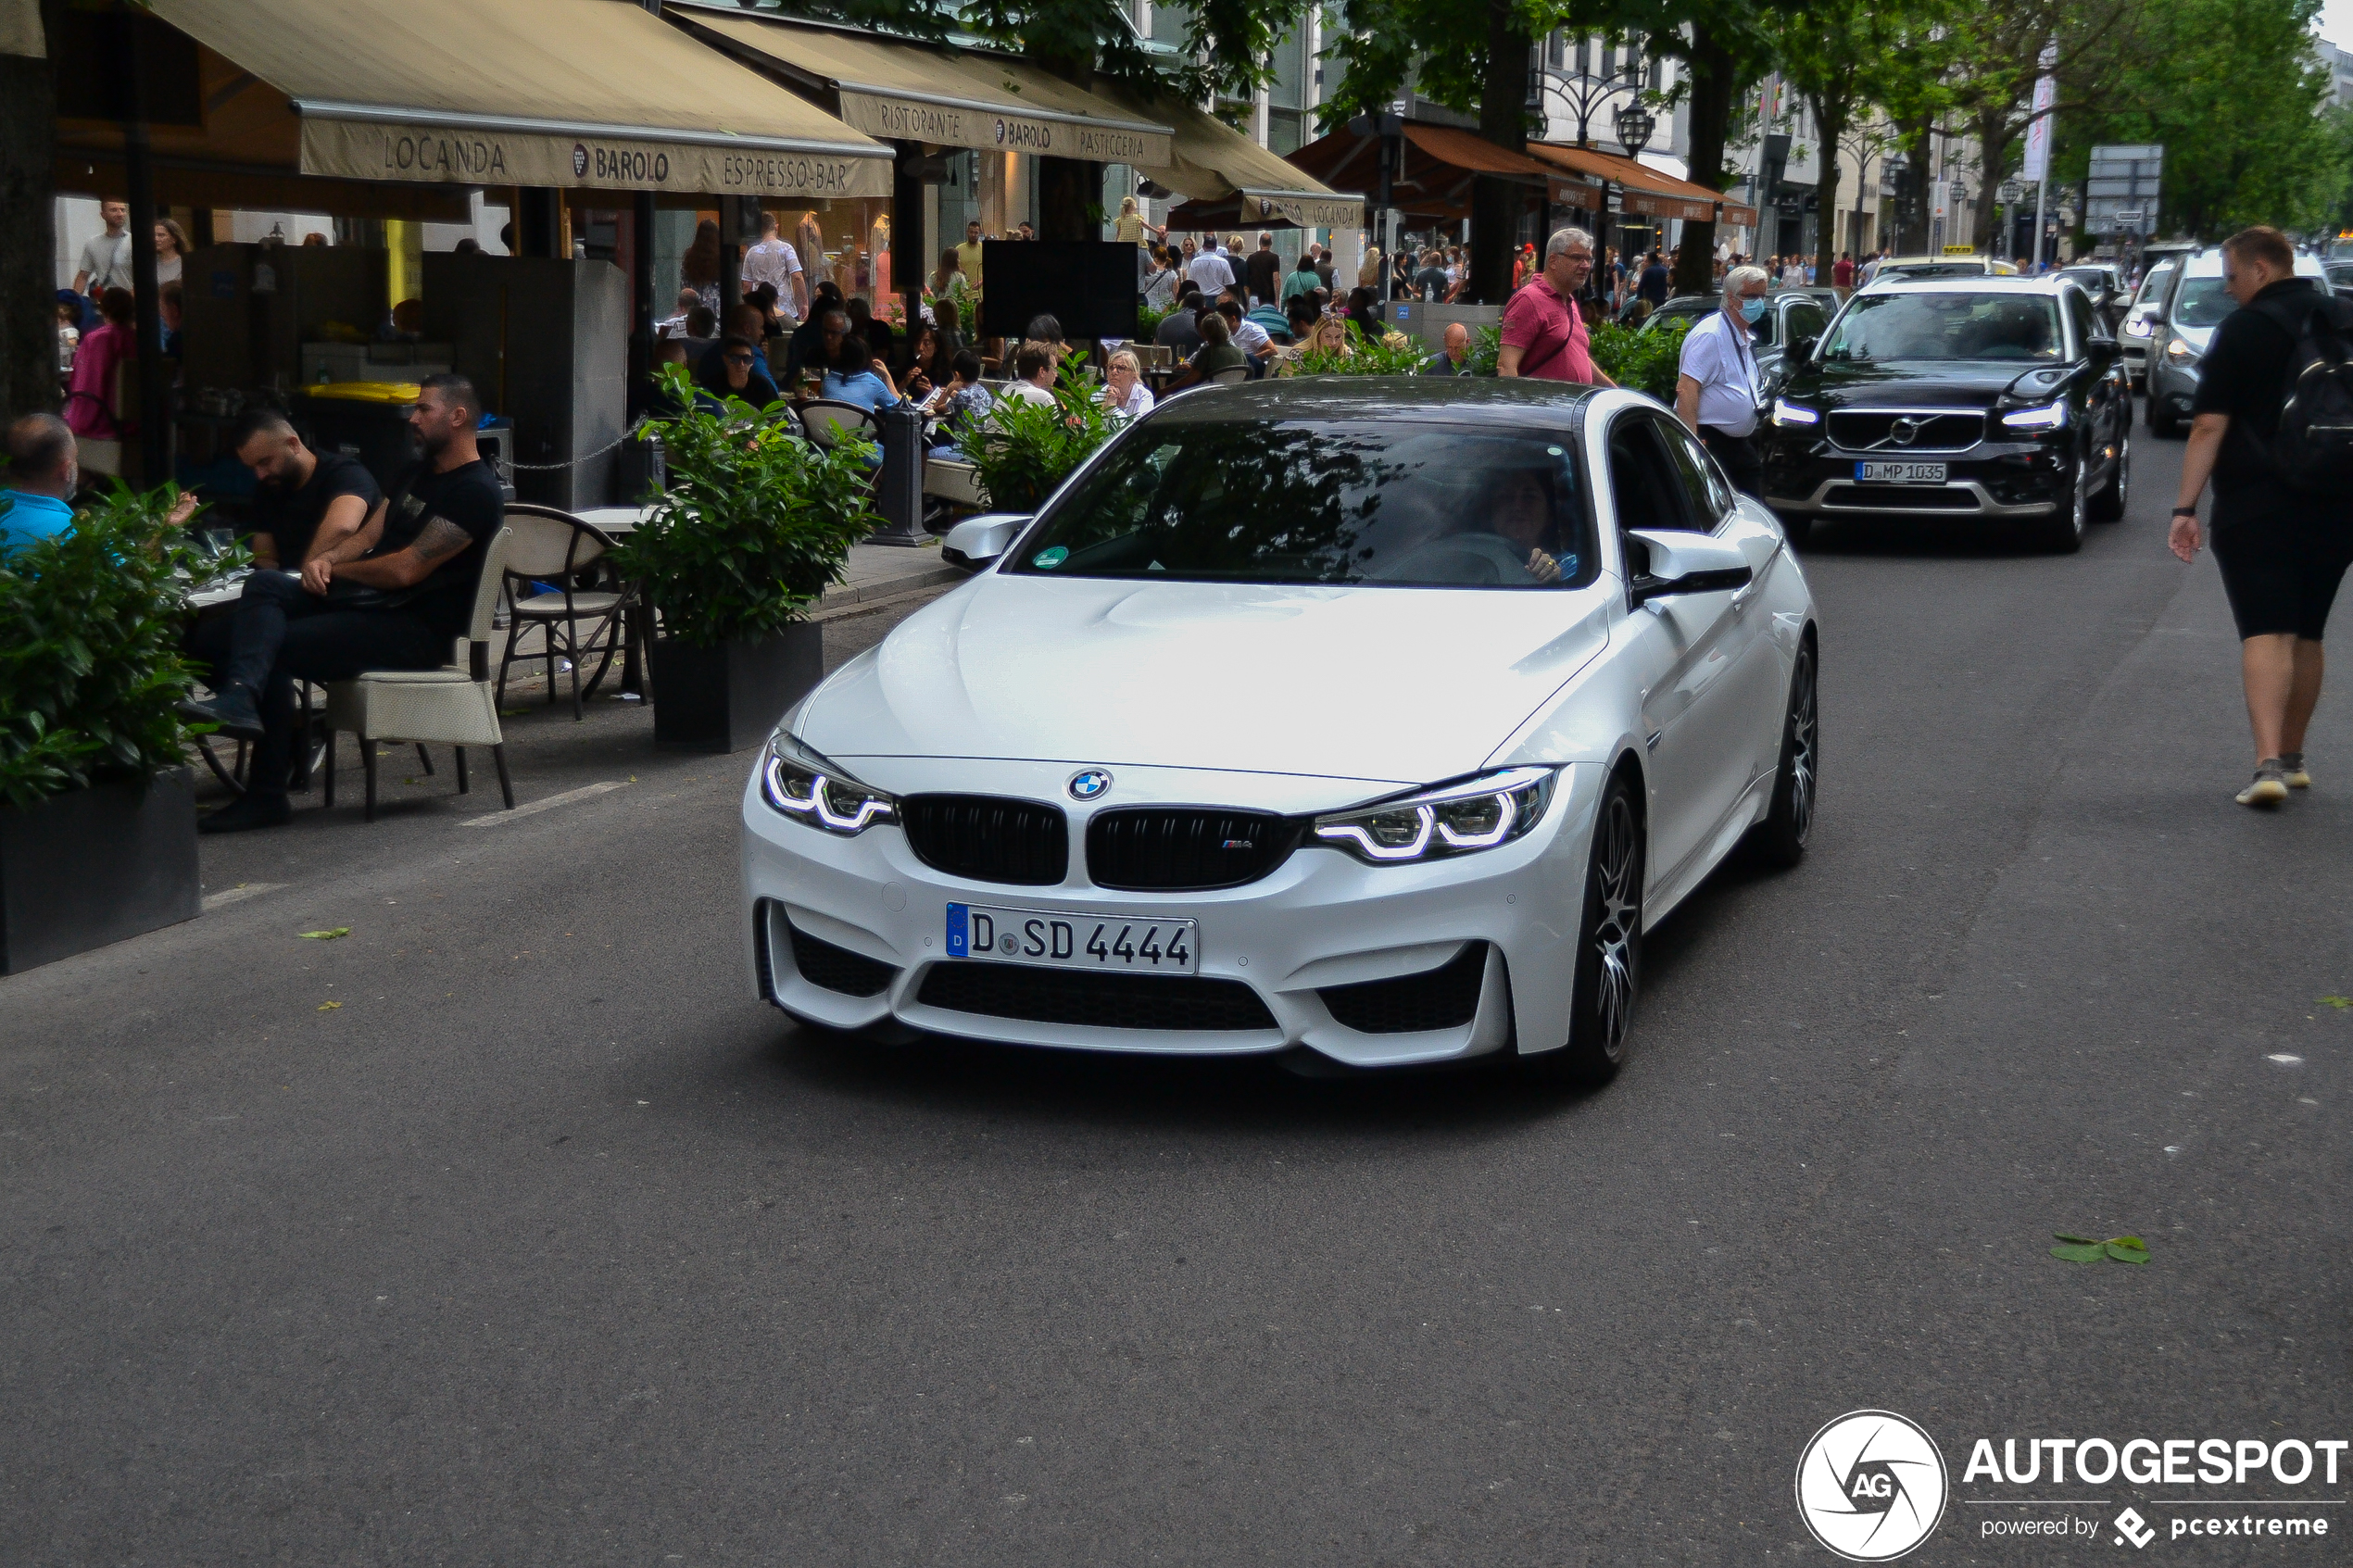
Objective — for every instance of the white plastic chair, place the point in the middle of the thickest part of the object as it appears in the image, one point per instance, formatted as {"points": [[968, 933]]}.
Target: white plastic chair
{"points": [[1232, 375], [454, 706]]}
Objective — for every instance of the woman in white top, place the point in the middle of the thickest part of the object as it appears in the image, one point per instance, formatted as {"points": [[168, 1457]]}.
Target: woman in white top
{"points": [[1124, 392]]}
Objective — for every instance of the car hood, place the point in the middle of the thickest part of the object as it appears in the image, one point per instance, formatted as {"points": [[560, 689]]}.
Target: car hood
{"points": [[1404, 685], [1901, 384]]}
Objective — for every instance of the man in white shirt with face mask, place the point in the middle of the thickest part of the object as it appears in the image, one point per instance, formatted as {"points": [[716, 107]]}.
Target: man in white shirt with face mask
{"points": [[1716, 386]]}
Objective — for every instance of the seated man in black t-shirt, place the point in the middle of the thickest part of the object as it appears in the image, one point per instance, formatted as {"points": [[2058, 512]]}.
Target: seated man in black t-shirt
{"points": [[305, 503], [398, 603]]}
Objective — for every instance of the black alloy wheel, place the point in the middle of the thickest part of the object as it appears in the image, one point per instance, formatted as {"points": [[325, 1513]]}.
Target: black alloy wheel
{"points": [[2108, 505], [1779, 839], [2162, 424], [1609, 948]]}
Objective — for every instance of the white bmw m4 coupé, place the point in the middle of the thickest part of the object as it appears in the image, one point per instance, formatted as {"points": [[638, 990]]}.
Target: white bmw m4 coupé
{"points": [[1373, 719]]}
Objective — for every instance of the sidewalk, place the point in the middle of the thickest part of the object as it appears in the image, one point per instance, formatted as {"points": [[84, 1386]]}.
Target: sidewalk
{"points": [[885, 571]]}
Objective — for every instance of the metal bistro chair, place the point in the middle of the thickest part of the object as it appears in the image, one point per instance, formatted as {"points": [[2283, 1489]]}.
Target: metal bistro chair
{"points": [[548, 546], [454, 706], [826, 419]]}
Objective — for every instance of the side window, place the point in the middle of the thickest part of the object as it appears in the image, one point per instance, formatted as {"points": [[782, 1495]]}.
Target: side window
{"points": [[1710, 497], [2079, 312], [1646, 485], [1807, 320]]}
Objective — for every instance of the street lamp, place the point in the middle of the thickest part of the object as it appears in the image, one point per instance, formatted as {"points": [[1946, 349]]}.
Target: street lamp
{"points": [[1635, 124]]}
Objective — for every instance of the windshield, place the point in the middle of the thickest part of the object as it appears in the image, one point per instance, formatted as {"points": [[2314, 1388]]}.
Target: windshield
{"points": [[1325, 501], [1947, 326], [2155, 282], [2092, 278], [2202, 303], [1929, 270]]}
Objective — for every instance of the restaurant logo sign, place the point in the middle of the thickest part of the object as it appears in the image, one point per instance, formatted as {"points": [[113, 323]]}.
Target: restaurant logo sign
{"points": [[909, 121], [368, 150]]}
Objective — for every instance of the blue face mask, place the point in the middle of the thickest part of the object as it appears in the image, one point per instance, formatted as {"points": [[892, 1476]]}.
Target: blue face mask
{"points": [[1752, 309]]}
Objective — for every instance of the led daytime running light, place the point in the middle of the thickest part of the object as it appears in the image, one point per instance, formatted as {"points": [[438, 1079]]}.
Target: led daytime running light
{"points": [[1788, 413], [1371, 850], [873, 806], [1516, 798]]}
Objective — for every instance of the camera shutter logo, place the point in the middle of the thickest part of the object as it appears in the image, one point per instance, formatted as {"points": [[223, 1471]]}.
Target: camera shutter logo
{"points": [[1871, 1485]]}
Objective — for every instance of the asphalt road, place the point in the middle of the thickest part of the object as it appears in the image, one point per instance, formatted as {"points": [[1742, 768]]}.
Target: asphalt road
{"points": [[549, 1244]]}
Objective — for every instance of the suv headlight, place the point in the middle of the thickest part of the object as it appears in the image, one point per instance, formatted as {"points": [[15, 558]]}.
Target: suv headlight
{"points": [[801, 784], [1786, 414], [2179, 352], [2137, 326], [2050, 416], [1458, 819]]}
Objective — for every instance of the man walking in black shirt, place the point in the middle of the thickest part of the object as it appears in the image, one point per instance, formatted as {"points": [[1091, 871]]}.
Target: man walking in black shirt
{"points": [[399, 603], [2282, 551]]}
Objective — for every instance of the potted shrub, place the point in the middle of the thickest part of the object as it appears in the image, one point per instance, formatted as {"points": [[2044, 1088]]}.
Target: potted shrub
{"points": [[757, 522], [1030, 448], [98, 805]]}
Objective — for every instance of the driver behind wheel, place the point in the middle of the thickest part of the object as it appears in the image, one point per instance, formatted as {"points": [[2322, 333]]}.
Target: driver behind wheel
{"points": [[1519, 507]]}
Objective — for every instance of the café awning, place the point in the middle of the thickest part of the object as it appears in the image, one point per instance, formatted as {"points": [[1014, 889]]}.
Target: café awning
{"points": [[948, 97], [1230, 180], [573, 94], [1438, 167], [1647, 191]]}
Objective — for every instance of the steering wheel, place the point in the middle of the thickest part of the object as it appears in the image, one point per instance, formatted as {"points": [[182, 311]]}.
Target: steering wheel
{"points": [[1464, 558]]}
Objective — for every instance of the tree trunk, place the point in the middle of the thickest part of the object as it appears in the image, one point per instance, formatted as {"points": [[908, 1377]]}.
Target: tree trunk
{"points": [[1831, 120], [1913, 215], [1496, 203], [28, 241], [1712, 85], [1994, 134]]}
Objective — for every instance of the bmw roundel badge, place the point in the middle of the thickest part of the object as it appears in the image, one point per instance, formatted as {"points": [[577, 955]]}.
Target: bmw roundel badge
{"points": [[1089, 783]]}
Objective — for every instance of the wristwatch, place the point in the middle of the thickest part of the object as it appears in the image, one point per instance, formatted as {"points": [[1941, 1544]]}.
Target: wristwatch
{"points": [[2185, 511]]}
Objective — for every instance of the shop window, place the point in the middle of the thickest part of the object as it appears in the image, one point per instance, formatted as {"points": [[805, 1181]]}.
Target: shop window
{"points": [[848, 242], [1284, 135]]}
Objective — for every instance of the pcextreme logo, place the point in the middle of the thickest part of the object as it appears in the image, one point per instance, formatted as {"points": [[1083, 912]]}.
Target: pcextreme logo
{"points": [[1871, 1485]]}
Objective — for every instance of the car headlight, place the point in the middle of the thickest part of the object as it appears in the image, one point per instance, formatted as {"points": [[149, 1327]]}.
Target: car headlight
{"points": [[1452, 820], [802, 784], [2179, 352], [1786, 413], [2138, 327], [2050, 416]]}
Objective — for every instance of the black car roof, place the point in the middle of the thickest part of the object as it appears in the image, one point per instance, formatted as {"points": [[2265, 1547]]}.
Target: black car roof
{"points": [[1514, 401]]}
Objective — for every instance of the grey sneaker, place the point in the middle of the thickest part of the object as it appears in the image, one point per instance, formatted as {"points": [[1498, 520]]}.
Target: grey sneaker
{"points": [[2292, 766], [2269, 784]]}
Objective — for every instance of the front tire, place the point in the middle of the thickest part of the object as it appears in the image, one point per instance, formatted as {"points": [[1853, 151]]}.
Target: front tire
{"points": [[1797, 528], [2064, 534], [2162, 424], [1609, 948], [1779, 839], [2108, 505]]}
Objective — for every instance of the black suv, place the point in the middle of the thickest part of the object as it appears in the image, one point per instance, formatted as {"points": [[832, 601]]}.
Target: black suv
{"points": [[1975, 397]]}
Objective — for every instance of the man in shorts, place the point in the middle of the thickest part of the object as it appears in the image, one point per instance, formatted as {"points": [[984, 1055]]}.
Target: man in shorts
{"points": [[2282, 552]]}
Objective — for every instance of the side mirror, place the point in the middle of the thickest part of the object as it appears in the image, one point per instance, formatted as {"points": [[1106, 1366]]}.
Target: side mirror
{"points": [[978, 541], [1687, 563], [1802, 349]]}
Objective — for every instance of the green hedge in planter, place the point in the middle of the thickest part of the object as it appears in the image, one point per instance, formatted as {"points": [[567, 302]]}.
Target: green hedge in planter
{"points": [[1028, 448], [757, 523], [90, 662], [1643, 360]]}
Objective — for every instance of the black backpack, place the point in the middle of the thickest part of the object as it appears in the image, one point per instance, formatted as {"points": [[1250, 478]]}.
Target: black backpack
{"points": [[2312, 449]]}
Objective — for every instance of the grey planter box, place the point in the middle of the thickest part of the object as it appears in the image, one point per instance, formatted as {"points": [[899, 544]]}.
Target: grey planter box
{"points": [[729, 698], [81, 870]]}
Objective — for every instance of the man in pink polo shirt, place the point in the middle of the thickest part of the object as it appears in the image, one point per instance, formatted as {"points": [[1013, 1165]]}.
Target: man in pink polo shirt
{"points": [[1543, 334]]}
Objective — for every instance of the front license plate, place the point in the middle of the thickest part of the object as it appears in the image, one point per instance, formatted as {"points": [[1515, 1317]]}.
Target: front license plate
{"points": [[1900, 474], [1116, 944]]}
